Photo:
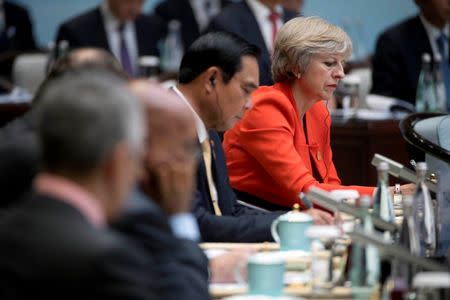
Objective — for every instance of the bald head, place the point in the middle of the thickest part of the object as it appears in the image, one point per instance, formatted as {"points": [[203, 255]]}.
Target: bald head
{"points": [[172, 142], [95, 55], [87, 58], [172, 149], [170, 123], [157, 99], [165, 111]]}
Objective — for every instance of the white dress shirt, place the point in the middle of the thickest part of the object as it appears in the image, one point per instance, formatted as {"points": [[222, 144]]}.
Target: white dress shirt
{"points": [[111, 24], [433, 33], [185, 226], [201, 15], [202, 132], [261, 13]]}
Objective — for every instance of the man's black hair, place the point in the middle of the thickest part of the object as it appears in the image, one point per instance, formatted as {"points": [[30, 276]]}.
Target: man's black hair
{"points": [[219, 49]]}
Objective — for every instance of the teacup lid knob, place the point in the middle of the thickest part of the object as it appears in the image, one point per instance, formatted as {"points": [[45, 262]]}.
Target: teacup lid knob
{"points": [[296, 207]]}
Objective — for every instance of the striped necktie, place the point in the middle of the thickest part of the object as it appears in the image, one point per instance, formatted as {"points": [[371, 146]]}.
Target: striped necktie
{"points": [[206, 149], [273, 17], [124, 54]]}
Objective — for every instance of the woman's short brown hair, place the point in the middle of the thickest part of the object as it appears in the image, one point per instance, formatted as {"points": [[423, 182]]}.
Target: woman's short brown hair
{"points": [[301, 38]]}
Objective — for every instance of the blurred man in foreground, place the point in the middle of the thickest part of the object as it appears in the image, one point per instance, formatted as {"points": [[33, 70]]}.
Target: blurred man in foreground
{"points": [[90, 133], [158, 214]]}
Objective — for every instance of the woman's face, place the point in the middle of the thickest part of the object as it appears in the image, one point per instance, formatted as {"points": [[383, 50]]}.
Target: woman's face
{"points": [[321, 77]]}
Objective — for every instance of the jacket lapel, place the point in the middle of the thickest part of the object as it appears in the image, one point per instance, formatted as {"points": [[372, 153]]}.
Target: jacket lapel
{"points": [[100, 34]]}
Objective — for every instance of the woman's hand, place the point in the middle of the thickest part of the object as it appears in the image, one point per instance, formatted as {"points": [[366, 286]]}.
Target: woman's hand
{"points": [[320, 217]]}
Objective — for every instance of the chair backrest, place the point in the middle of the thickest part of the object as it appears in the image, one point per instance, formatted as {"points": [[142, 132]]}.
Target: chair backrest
{"points": [[365, 76], [29, 70], [437, 131], [430, 133]]}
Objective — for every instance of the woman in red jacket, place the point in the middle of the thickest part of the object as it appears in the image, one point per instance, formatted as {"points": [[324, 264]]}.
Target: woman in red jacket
{"points": [[282, 145]]}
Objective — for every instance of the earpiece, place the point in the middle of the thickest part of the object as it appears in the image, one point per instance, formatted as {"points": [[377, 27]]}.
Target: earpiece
{"points": [[299, 75], [212, 79]]}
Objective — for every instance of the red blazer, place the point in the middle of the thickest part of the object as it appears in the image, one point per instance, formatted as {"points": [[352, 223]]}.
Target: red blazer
{"points": [[267, 154]]}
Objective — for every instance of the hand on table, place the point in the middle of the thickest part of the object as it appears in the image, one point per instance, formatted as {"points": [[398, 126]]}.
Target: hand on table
{"points": [[224, 267], [320, 217]]}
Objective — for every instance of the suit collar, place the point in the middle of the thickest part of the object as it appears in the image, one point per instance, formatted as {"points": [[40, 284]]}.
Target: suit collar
{"points": [[433, 34], [262, 11], [433, 30], [252, 28], [110, 21], [71, 193], [203, 17], [99, 36]]}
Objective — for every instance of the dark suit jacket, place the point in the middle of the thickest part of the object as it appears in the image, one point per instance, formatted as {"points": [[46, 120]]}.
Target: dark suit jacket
{"points": [[87, 30], [17, 36], [50, 251], [397, 60], [19, 154], [180, 262], [238, 18], [18, 33], [182, 11], [237, 223]]}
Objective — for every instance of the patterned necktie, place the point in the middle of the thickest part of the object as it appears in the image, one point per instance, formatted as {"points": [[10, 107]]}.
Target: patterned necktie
{"points": [[273, 17], [206, 149], [442, 41], [124, 54]]}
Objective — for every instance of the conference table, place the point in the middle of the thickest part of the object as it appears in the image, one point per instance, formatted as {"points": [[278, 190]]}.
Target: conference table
{"points": [[296, 267]]}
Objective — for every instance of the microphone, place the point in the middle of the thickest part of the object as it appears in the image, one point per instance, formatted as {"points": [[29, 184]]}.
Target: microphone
{"points": [[329, 201], [399, 171], [212, 80]]}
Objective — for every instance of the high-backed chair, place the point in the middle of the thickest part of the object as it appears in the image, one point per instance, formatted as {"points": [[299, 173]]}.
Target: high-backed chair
{"points": [[430, 132], [29, 70]]}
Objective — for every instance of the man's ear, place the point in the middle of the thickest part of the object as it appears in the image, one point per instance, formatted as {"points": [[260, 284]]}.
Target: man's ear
{"points": [[210, 78]]}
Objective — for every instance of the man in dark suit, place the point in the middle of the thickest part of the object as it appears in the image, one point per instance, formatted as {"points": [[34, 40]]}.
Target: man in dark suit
{"points": [[119, 27], [398, 56], [194, 16], [91, 135], [257, 21], [16, 35]]}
